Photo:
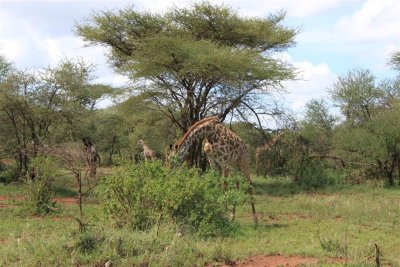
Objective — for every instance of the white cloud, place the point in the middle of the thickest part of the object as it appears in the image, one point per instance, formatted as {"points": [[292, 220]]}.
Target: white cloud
{"points": [[113, 79], [294, 8], [377, 20], [26, 40], [11, 48], [312, 83]]}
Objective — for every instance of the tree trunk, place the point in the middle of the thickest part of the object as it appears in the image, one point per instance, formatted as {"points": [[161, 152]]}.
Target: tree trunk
{"points": [[114, 139]]}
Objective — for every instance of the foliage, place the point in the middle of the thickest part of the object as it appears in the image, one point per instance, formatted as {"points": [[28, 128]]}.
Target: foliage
{"points": [[145, 121], [316, 175], [317, 128], [357, 95], [196, 61], [334, 245], [146, 194], [371, 142], [8, 173], [110, 134], [249, 134], [40, 191], [394, 60], [45, 107], [295, 221], [5, 67]]}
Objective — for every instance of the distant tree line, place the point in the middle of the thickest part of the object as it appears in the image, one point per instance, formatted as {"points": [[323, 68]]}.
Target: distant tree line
{"points": [[189, 63]]}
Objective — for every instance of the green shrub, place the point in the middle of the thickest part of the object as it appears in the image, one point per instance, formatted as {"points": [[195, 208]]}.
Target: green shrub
{"points": [[334, 245], [159, 246], [8, 174], [315, 175], [41, 191], [146, 194], [86, 242]]}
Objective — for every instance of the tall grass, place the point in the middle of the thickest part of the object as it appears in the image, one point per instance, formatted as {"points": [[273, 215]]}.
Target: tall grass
{"points": [[336, 221]]}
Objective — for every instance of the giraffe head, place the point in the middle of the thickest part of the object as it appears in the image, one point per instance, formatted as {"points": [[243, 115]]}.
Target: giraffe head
{"points": [[176, 154], [173, 157], [181, 148]]}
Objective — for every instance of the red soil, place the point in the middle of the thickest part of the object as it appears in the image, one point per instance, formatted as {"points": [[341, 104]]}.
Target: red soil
{"points": [[277, 260], [280, 260], [64, 200], [7, 205]]}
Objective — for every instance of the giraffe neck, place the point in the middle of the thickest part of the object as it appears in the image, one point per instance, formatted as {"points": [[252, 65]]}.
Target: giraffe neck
{"points": [[196, 126], [269, 145], [197, 132]]}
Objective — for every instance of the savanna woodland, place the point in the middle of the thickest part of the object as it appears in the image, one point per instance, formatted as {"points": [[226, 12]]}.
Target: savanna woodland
{"points": [[86, 185]]}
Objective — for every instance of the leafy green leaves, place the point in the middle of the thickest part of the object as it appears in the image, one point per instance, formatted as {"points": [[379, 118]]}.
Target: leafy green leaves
{"points": [[142, 195], [195, 61]]}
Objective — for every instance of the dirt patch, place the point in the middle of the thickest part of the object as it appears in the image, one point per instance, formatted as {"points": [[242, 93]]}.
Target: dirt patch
{"points": [[53, 218], [36, 217], [6, 205], [63, 200], [320, 194], [282, 261], [17, 198], [338, 218], [2, 206], [277, 260], [294, 216], [66, 200], [7, 161]]}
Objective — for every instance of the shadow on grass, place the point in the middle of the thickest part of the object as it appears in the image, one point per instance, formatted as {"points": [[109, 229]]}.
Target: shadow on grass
{"points": [[265, 226], [65, 192], [284, 187], [277, 187]]}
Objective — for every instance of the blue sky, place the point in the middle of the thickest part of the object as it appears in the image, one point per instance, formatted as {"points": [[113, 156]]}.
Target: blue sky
{"points": [[336, 36]]}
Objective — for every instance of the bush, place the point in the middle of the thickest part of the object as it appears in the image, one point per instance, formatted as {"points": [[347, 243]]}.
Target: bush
{"points": [[315, 175], [86, 242], [146, 194], [41, 191], [8, 174], [8, 171], [159, 246]]}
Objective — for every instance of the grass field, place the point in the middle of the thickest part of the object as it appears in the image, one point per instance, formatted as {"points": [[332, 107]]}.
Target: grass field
{"points": [[338, 225]]}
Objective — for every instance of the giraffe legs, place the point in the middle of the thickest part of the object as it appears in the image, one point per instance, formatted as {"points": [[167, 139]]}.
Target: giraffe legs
{"points": [[234, 206], [250, 191], [224, 170], [225, 173]]}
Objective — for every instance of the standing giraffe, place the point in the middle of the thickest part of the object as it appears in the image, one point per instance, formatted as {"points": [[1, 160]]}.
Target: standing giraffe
{"points": [[266, 147], [92, 157], [223, 148], [148, 153]]}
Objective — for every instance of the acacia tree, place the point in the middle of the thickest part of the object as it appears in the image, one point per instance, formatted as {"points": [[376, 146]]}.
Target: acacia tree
{"points": [[196, 61], [45, 107], [357, 95], [394, 60], [369, 137]]}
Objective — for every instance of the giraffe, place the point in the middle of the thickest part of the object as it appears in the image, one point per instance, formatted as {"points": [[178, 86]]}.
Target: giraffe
{"points": [[92, 157], [266, 147], [223, 148], [148, 153]]}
